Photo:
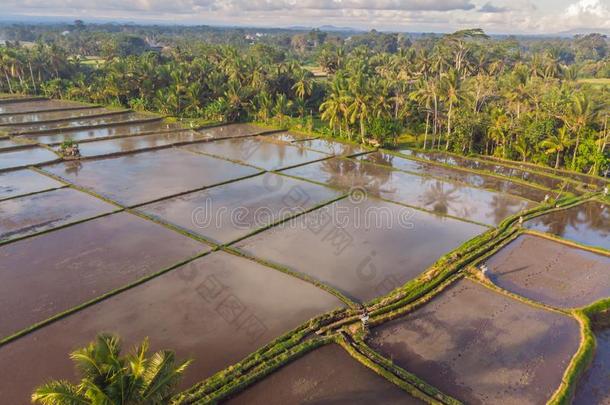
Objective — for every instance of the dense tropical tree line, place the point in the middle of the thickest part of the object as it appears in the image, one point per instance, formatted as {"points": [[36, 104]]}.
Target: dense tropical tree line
{"points": [[462, 92]]}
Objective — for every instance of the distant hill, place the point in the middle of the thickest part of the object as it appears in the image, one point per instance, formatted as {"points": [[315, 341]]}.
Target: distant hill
{"points": [[584, 31], [327, 28]]}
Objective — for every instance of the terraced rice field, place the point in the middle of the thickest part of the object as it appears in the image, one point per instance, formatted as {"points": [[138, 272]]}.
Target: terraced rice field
{"points": [[297, 269]]}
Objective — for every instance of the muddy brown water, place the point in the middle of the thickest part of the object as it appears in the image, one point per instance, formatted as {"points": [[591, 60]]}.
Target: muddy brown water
{"points": [[364, 249], [327, 375], [27, 215], [587, 223], [482, 347], [215, 310], [50, 115], [594, 386], [80, 135], [147, 176], [70, 266], [25, 157], [134, 143], [231, 130], [438, 196], [77, 122], [551, 272], [231, 211], [523, 174], [38, 105], [470, 178], [259, 153], [19, 182]]}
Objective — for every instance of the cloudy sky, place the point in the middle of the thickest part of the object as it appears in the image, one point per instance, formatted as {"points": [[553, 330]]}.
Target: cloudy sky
{"points": [[495, 16]]}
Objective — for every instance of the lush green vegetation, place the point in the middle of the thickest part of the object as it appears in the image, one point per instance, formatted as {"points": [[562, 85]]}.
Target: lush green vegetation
{"points": [[524, 100], [111, 379]]}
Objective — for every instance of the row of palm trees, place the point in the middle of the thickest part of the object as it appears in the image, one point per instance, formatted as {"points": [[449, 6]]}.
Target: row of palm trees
{"points": [[461, 92]]}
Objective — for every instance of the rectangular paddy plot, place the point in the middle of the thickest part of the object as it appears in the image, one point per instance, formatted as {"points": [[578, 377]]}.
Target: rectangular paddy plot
{"points": [[231, 211], [73, 265], [259, 153], [20, 119], [462, 176], [526, 175], [581, 177], [8, 143], [231, 131], [38, 105], [438, 196], [363, 249], [32, 214], [215, 310], [551, 272], [10, 159], [587, 223], [594, 387], [138, 142], [102, 132], [327, 146], [327, 375], [77, 122], [148, 176], [482, 347], [20, 182]]}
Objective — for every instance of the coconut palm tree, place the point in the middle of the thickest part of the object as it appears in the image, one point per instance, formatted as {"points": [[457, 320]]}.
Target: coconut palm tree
{"points": [[557, 143], [111, 379]]}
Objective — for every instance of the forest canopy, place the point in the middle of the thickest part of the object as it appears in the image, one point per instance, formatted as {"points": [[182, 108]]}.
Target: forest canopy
{"points": [[539, 100]]}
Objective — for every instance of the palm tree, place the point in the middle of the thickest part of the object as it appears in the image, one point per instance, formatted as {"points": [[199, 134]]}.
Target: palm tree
{"points": [[557, 143], [581, 113], [424, 95], [111, 379], [451, 87]]}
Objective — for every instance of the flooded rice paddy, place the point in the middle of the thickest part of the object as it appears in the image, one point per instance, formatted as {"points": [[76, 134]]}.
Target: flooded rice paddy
{"points": [[594, 387], [68, 267], [544, 180], [148, 176], [9, 120], [587, 223], [215, 310], [113, 118], [37, 105], [258, 153], [11, 159], [231, 131], [482, 347], [550, 272], [102, 132], [327, 375], [138, 142], [20, 182], [438, 196], [226, 213], [145, 272], [470, 178], [363, 249], [35, 213]]}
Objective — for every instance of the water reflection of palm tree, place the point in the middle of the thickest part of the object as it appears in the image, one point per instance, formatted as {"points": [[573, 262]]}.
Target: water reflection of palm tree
{"points": [[596, 216], [503, 206], [347, 173], [440, 195], [557, 222]]}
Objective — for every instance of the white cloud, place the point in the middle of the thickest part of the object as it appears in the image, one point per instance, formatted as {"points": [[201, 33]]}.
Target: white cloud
{"points": [[495, 16]]}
